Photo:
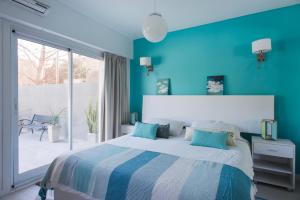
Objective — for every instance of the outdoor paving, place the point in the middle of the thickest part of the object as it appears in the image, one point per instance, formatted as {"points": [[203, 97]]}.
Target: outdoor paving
{"points": [[34, 153]]}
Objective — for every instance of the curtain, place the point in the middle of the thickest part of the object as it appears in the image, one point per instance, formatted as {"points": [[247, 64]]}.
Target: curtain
{"points": [[115, 103]]}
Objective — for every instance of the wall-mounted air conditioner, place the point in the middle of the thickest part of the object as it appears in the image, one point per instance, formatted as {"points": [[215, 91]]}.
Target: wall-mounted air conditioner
{"points": [[34, 6]]}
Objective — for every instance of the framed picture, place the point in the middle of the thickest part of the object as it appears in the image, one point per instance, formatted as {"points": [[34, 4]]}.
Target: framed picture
{"points": [[162, 86], [215, 85]]}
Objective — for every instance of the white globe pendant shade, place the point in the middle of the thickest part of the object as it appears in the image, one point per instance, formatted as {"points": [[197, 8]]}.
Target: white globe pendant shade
{"points": [[155, 28]]}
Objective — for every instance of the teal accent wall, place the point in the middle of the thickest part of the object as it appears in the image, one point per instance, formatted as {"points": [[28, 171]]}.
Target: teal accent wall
{"points": [[188, 56]]}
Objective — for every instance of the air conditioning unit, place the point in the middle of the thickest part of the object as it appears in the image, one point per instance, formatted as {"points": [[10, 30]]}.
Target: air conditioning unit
{"points": [[34, 6]]}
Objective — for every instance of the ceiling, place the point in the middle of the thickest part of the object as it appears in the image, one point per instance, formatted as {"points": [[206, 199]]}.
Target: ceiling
{"points": [[126, 16]]}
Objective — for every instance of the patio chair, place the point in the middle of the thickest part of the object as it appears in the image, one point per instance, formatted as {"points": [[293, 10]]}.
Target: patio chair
{"points": [[37, 123]]}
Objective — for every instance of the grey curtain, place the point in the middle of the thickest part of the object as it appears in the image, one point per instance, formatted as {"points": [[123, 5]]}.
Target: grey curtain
{"points": [[115, 103]]}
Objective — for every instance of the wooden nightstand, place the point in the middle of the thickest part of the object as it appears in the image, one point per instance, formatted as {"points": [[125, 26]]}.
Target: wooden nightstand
{"points": [[126, 128], [274, 162]]}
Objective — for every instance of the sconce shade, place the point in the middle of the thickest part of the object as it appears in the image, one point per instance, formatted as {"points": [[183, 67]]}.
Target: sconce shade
{"points": [[145, 61], [261, 46]]}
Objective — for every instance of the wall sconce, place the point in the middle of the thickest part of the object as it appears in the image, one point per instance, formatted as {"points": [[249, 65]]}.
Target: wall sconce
{"points": [[260, 47], [146, 62]]}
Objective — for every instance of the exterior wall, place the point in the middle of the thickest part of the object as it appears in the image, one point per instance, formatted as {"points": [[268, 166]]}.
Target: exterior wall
{"points": [[50, 99]]}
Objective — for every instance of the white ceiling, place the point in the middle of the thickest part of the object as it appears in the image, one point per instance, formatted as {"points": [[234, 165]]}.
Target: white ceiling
{"points": [[126, 16]]}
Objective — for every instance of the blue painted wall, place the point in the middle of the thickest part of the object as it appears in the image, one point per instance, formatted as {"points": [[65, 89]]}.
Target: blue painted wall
{"points": [[188, 56]]}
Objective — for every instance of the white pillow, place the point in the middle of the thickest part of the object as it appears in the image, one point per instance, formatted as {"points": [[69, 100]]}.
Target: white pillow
{"points": [[229, 128], [217, 126], [188, 133], [203, 124], [176, 127], [214, 126]]}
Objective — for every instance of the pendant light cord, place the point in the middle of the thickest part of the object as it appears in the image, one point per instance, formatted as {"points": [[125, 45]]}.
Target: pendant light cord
{"points": [[154, 6]]}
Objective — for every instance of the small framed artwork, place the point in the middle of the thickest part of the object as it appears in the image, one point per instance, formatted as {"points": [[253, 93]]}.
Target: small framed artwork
{"points": [[215, 85], [162, 86]]}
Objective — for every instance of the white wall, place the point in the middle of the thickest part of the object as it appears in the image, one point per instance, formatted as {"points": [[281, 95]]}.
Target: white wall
{"points": [[1, 130], [70, 24], [6, 110]]}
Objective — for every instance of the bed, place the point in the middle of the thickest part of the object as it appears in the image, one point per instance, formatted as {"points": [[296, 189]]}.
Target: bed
{"points": [[137, 168]]}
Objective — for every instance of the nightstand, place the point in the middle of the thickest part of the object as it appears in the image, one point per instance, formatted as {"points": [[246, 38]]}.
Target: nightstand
{"points": [[274, 162], [126, 128]]}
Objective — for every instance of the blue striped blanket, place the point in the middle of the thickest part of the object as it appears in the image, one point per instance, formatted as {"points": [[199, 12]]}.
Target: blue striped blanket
{"points": [[115, 173]]}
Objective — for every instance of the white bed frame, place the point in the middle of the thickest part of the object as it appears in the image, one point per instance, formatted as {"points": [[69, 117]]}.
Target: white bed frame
{"points": [[246, 112]]}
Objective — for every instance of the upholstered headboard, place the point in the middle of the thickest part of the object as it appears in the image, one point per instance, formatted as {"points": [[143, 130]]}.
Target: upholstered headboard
{"points": [[246, 112]]}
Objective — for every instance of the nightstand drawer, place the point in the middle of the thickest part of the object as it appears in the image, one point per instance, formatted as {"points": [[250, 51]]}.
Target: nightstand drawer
{"points": [[274, 150]]}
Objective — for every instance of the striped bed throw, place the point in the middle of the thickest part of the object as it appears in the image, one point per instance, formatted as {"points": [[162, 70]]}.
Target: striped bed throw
{"points": [[116, 173]]}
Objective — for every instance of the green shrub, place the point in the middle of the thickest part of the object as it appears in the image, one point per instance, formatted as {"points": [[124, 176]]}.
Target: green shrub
{"points": [[92, 117]]}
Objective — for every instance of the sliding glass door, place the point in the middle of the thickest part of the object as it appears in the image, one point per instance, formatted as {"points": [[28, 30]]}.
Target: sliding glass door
{"points": [[48, 83], [87, 84]]}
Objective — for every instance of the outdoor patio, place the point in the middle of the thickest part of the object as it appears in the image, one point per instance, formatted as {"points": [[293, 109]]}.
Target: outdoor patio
{"points": [[34, 153]]}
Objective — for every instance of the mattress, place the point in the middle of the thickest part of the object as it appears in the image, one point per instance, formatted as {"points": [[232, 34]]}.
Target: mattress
{"points": [[238, 157]]}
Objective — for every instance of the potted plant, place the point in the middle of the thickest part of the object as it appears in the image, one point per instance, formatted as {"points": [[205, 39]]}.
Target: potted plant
{"points": [[54, 127], [92, 122]]}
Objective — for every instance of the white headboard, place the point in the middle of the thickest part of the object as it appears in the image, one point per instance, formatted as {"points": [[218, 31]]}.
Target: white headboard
{"points": [[246, 112]]}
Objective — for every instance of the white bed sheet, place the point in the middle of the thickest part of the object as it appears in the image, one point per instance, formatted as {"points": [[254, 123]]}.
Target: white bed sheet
{"points": [[238, 156]]}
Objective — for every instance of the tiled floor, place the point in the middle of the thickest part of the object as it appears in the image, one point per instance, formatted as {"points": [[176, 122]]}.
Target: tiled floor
{"points": [[264, 191]]}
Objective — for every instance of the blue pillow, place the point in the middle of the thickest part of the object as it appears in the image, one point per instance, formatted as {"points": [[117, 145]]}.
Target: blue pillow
{"points": [[145, 130], [210, 139]]}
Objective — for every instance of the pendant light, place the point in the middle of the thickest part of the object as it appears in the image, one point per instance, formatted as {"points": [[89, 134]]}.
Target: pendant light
{"points": [[155, 27]]}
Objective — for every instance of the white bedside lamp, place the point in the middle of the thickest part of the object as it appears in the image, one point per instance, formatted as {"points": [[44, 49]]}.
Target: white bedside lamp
{"points": [[260, 47]]}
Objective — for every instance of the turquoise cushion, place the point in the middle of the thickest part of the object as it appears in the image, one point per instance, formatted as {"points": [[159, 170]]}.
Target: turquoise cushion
{"points": [[210, 139], [145, 130]]}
